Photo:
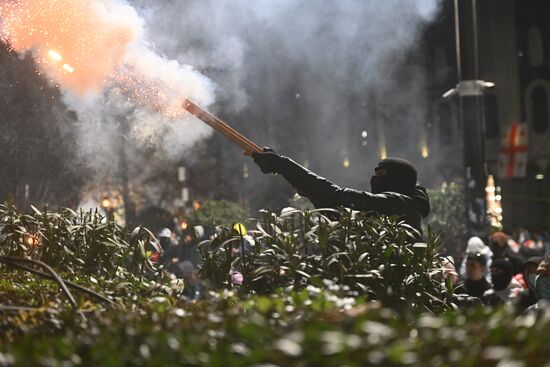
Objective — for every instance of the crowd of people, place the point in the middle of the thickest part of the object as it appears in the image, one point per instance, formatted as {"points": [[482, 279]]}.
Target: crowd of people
{"points": [[180, 257], [506, 270]]}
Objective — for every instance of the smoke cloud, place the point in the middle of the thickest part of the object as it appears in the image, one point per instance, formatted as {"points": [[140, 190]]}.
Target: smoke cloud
{"points": [[313, 72], [78, 43], [95, 51], [325, 70]]}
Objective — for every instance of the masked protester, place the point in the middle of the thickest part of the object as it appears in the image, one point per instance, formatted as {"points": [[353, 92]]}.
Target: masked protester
{"points": [[505, 288], [542, 285], [394, 189], [503, 247], [528, 297]]}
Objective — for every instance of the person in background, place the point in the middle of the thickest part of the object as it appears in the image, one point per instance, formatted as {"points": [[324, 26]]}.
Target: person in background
{"points": [[169, 245], [189, 250], [523, 235], [449, 270], [503, 247], [193, 289], [477, 246], [528, 297], [542, 285], [540, 241], [505, 288], [475, 284], [531, 248]]}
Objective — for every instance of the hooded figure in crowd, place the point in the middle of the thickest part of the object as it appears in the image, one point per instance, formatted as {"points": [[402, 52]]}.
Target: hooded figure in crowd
{"points": [[505, 287], [393, 186], [528, 296], [542, 285]]}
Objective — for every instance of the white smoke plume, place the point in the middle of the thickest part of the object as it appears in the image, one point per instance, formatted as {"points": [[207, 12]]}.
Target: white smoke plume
{"points": [[318, 55], [95, 51], [256, 55]]}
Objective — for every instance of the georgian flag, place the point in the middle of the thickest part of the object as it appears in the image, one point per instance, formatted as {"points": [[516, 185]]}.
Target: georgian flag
{"points": [[512, 159]]}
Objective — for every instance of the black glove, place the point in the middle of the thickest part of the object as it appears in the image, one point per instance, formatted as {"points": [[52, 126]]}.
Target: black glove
{"points": [[268, 160]]}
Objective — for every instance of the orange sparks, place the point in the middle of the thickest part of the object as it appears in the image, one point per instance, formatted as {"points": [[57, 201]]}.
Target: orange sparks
{"points": [[84, 46], [94, 35], [147, 92]]}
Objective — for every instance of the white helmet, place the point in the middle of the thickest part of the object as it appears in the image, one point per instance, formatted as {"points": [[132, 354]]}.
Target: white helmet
{"points": [[477, 246], [164, 233]]}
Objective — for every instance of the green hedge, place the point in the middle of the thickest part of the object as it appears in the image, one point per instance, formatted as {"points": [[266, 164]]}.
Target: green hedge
{"points": [[316, 291], [377, 257], [307, 328]]}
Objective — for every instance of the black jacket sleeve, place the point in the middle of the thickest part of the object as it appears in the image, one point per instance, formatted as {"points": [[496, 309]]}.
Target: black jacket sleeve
{"points": [[326, 194]]}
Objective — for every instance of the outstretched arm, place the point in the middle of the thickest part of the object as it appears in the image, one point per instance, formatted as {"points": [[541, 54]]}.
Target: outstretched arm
{"points": [[324, 193]]}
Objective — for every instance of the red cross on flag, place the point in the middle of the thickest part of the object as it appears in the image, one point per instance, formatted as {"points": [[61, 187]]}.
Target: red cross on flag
{"points": [[512, 159]]}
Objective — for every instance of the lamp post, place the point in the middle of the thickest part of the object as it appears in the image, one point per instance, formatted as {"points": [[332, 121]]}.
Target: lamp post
{"points": [[470, 90]]}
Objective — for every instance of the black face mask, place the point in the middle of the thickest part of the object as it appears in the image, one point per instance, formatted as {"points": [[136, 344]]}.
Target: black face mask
{"points": [[501, 281], [476, 288], [378, 184], [503, 278]]}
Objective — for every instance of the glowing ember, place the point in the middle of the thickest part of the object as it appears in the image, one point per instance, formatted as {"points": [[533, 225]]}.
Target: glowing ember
{"points": [[139, 89], [68, 68], [54, 55], [31, 240], [106, 202], [87, 45]]}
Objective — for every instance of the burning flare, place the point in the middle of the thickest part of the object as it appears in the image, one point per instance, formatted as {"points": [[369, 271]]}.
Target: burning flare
{"points": [[88, 45], [91, 37]]}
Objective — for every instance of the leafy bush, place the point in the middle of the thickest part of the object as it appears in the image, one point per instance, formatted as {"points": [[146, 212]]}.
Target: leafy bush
{"points": [[218, 212], [377, 257], [48, 258], [303, 315], [448, 216], [307, 328], [69, 241]]}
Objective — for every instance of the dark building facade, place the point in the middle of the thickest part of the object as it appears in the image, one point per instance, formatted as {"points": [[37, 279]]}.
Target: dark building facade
{"points": [[513, 52]]}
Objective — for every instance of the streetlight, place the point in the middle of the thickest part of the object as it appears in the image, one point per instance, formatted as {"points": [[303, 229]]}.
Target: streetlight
{"points": [[470, 90]]}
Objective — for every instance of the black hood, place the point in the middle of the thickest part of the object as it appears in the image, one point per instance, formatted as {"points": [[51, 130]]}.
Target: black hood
{"points": [[420, 195], [501, 281], [400, 176]]}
